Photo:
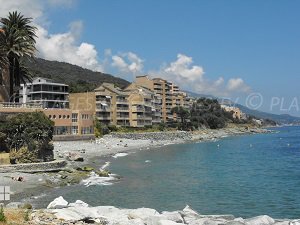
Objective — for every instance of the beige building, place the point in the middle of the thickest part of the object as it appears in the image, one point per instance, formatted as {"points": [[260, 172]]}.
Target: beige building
{"points": [[112, 106], [68, 123], [169, 93], [236, 112]]}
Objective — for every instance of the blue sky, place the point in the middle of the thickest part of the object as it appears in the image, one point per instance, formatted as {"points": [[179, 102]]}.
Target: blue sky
{"points": [[227, 48]]}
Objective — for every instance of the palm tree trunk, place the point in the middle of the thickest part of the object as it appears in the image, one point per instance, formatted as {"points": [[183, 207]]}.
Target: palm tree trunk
{"points": [[17, 80], [11, 79]]}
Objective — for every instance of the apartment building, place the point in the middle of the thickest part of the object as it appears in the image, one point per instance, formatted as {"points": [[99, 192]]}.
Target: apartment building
{"points": [[145, 106], [46, 92], [112, 106], [168, 92], [52, 99], [143, 103]]}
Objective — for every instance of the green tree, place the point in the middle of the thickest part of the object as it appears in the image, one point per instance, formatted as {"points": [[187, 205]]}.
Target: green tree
{"points": [[182, 112], [17, 42], [28, 137]]}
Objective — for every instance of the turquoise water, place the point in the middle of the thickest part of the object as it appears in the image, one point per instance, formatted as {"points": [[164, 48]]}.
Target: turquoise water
{"points": [[245, 176]]}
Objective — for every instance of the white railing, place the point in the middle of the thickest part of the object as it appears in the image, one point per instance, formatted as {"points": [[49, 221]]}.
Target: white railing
{"points": [[12, 105]]}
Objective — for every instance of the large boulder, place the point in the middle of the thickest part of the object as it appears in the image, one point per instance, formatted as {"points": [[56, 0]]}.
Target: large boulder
{"points": [[78, 203], [113, 214], [260, 220], [173, 216], [58, 203], [168, 222], [207, 221], [77, 213], [189, 215], [142, 213]]}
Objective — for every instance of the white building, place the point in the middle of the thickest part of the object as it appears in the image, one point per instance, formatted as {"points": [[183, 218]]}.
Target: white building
{"points": [[45, 91]]}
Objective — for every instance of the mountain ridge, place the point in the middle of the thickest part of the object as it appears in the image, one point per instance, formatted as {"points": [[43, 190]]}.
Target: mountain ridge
{"points": [[79, 79]]}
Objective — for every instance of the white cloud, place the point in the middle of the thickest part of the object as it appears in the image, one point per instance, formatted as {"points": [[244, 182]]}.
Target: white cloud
{"points": [[191, 77], [128, 62], [30, 8], [235, 84], [66, 3], [183, 70], [61, 46]]}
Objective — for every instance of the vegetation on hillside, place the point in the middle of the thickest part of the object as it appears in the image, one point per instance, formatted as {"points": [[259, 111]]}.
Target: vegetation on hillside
{"points": [[79, 79], [27, 137], [207, 113]]}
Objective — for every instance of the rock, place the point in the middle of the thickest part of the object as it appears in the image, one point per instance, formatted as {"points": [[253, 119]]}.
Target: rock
{"points": [[234, 223], [207, 221], [168, 222], [58, 203], [85, 169], [111, 213], [142, 213], [189, 215], [14, 205], [78, 203], [260, 220], [220, 217], [173, 216], [285, 223], [295, 222], [74, 156]]}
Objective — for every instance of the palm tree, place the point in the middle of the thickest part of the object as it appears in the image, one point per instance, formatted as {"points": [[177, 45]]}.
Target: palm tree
{"points": [[17, 44]]}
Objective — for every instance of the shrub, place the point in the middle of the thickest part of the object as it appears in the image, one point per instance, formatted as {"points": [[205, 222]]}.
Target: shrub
{"points": [[162, 126], [2, 216], [28, 137], [112, 128]]}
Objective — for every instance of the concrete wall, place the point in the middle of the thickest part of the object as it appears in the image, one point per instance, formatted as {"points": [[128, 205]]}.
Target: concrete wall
{"points": [[34, 167]]}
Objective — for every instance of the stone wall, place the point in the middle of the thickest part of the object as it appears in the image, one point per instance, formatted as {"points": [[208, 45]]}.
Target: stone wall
{"points": [[182, 135], [74, 137], [34, 167]]}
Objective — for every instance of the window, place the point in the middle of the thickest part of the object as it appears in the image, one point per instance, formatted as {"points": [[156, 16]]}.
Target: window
{"points": [[74, 130], [50, 116], [59, 116], [85, 116], [54, 116], [74, 117], [64, 116], [68, 116], [86, 130]]}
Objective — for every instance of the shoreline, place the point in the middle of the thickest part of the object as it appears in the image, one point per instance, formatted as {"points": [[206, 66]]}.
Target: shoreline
{"points": [[100, 152]]}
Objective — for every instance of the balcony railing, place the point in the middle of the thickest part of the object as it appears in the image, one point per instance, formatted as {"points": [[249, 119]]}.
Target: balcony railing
{"points": [[21, 105], [122, 108], [103, 117]]}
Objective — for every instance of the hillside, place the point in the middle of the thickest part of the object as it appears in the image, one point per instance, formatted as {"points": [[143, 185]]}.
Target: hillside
{"points": [[280, 119], [78, 78]]}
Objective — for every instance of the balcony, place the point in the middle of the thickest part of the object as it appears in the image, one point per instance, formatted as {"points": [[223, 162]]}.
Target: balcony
{"points": [[122, 109], [122, 117], [121, 101], [138, 109], [149, 104], [103, 117]]}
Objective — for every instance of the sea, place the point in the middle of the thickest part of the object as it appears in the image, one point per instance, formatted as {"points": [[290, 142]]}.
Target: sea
{"points": [[246, 176]]}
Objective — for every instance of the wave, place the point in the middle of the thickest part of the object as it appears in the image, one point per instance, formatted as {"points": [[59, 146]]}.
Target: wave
{"points": [[105, 166], [95, 179], [121, 154]]}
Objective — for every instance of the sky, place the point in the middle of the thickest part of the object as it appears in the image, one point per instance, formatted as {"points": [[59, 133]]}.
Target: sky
{"points": [[247, 51]]}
